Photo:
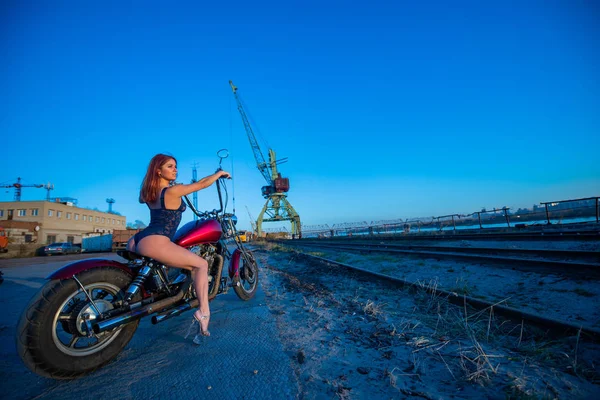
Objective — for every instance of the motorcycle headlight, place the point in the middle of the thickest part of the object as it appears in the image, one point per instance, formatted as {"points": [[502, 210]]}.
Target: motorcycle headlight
{"points": [[234, 219]]}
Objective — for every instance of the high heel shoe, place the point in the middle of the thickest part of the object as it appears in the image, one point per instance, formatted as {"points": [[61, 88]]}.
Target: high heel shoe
{"points": [[201, 332]]}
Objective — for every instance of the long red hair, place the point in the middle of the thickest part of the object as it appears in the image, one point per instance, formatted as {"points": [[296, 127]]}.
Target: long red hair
{"points": [[151, 183]]}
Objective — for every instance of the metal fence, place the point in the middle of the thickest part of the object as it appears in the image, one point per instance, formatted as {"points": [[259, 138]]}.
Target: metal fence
{"points": [[547, 213]]}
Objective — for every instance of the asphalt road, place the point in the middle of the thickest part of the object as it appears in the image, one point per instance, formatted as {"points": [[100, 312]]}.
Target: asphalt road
{"points": [[242, 359]]}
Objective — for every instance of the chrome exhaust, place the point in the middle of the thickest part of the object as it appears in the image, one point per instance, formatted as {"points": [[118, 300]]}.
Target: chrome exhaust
{"points": [[112, 323], [174, 312]]}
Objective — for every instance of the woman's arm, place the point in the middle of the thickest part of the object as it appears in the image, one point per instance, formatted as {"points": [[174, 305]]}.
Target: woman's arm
{"points": [[182, 190]]}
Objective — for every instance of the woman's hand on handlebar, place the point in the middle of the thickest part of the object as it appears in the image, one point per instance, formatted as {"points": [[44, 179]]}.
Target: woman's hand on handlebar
{"points": [[224, 174]]}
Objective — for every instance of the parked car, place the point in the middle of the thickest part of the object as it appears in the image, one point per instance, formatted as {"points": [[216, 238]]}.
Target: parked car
{"points": [[62, 248]]}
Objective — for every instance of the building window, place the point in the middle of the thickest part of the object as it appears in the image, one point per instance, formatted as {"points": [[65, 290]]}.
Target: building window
{"points": [[58, 214], [97, 219], [70, 239], [68, 215], [1, 213], [76, 217], [85, 217], [22, 213], [50, 213], [50, 239], [34, 212], [28, 238], [102, 219], [113, 221]]}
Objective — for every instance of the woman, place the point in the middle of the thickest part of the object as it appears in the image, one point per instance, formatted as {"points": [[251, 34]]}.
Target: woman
{"points": [[156, 240]]}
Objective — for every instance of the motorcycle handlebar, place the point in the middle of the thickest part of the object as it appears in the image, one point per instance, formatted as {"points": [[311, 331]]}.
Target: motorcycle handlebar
{"points": [[214, 213]]}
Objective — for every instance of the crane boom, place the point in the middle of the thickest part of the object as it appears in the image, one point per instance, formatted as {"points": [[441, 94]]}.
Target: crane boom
{"points": [[18, 186], [262, 165]]}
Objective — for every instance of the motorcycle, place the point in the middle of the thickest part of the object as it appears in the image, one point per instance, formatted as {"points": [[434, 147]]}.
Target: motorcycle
{"points": [[90, 309]]}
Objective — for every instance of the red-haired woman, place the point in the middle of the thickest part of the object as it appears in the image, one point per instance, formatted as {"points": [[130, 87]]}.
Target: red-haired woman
{"points": [[155, 241]]}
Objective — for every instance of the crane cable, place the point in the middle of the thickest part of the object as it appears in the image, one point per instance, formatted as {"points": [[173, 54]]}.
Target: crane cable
{"points": [[231, 146]]}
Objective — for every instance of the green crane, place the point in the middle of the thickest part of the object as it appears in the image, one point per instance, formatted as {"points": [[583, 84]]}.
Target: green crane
{"points": [[277, 208]]}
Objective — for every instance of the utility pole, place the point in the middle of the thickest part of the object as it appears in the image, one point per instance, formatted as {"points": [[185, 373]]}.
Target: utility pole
{"points": [[195, 194]]}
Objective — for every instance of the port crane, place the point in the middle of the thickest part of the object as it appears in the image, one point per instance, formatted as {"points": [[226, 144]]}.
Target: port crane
{"points": [[277, 208], [18, 186], [252, 222]]}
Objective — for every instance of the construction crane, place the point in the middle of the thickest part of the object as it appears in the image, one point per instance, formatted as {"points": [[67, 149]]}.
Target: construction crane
{"points": [[252, 222], [277, 208], [18, 186]]}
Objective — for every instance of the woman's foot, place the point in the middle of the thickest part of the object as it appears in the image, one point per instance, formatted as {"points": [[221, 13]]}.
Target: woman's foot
{"points": [[202, 329], [203, 320]]}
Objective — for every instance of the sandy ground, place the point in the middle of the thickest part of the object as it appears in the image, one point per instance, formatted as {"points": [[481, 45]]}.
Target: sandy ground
{"points": [[353, 340]]}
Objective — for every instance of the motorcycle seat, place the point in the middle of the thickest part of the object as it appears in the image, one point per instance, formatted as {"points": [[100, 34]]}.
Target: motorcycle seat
{"points": [[130, 255]]}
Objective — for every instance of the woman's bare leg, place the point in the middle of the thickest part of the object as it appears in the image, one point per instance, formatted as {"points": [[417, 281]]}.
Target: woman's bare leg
{"points": [[162, 249]]}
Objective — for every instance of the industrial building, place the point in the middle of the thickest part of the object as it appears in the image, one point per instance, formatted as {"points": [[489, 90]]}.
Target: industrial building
{"points": [[45, 222]]}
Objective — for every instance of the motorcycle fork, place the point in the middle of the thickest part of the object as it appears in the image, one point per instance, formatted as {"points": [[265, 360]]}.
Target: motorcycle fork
{"points": [[217, 280]]}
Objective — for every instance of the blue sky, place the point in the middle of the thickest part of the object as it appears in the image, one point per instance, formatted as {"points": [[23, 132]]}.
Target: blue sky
{"points": [[385, 110]]}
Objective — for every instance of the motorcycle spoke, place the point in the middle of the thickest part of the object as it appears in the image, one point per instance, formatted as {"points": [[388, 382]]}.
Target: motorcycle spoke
{"points": [[64, 317], [73, 341], [102, 294], [89, 296]]}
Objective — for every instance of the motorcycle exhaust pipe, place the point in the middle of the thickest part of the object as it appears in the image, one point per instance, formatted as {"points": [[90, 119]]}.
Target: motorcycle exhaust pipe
{"points": [[174, 312], [115, 322], [194, 303], [218, 270]]}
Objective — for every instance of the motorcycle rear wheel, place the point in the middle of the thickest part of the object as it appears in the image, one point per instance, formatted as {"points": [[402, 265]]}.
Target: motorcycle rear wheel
{"points": [[245, 282], [52, 338]]}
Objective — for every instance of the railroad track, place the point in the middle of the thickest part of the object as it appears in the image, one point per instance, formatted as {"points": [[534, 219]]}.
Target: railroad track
{"points": [[572, 262], [549, 325]]}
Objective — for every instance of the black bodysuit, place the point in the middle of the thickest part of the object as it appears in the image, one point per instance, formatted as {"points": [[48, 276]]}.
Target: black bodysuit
{"points": [[162, 220]]}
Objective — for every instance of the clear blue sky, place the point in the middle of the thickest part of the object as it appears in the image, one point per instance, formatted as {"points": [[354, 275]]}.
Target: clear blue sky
{"points": [[385, 109]]}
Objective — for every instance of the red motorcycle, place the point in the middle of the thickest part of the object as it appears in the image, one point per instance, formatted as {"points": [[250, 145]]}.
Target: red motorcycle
{"points": [[89, 310]]}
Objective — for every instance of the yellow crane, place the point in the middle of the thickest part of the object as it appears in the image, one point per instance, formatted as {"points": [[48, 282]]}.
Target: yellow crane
{"points": [[277, 208]]}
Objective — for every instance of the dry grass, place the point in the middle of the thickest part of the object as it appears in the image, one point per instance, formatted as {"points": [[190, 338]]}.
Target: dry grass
{"points": [[471, 345], [372, 309]]}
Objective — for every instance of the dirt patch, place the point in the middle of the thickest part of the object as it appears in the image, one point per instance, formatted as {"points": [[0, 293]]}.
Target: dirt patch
{"points": [[353, 339]]}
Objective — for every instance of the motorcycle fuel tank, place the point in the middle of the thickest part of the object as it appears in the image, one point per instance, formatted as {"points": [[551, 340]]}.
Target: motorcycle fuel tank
{"points": [[198, 232]]}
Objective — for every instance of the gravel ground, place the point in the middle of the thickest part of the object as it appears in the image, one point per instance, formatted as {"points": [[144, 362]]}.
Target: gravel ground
{"points": [[349, 339]]}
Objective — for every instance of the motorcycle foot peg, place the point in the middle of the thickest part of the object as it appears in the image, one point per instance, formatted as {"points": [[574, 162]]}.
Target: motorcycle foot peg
{"points": [[224, 287]]}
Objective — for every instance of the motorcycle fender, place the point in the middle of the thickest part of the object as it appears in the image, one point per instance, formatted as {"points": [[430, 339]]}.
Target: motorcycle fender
{"points": [[234, 265], [69, 270]]}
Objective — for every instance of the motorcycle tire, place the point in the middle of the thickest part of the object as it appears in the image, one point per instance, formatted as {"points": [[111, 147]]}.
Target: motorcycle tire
{"points": [[56, 311], [245, 282]]}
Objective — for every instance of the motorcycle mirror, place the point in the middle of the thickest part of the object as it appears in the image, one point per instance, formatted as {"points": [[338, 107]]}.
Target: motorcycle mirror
{"points": [[223, 153], [234, 219]]}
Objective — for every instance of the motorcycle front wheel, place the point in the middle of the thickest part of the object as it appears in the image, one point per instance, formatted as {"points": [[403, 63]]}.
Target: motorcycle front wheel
{"points": [[245, 282], [54, 338]]}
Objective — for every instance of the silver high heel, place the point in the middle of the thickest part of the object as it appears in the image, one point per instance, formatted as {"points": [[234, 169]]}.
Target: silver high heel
{"points": [[201, 332]]}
